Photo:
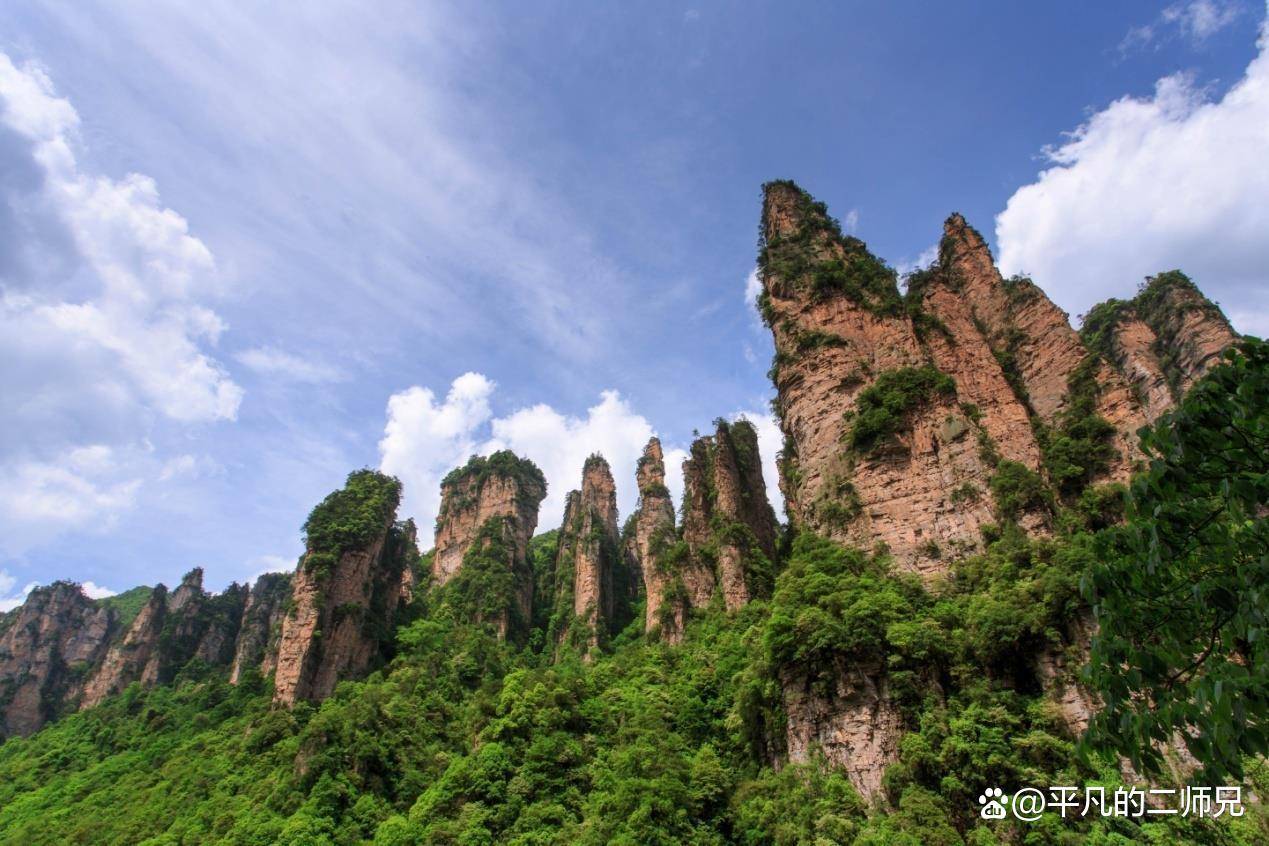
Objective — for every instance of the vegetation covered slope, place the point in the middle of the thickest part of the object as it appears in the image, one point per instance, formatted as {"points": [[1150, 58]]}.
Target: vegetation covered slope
{"points": [[468, 739]]}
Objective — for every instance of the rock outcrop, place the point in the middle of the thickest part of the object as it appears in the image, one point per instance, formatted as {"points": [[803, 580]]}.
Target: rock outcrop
{"points": [[489, 511], [591, 580], [728, 524], [345, 591], [649, 540], [261, 630], [854, 724], [877, 437], [1161, 341], [48, 645], [129, 659]]}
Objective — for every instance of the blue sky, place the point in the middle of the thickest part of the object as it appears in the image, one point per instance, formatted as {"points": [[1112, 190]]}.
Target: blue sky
{"points": [[244, 251]]}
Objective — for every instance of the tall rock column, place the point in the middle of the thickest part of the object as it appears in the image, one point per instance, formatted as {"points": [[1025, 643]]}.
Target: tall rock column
{"points": [[345, 591], [877, 440], [728, 523], [53, 638], [651, 537], [127, 660], [489, 511], [261, 630], [591, 579]]}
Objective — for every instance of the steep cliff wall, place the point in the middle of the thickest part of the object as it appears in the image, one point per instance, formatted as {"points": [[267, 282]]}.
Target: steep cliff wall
{"points": [[489, 511], [257, 642], [649, 538], [1162, 340], [877, 438], [345, 591], [52, 640], [127, 660], [728, 524], [591, 593]]}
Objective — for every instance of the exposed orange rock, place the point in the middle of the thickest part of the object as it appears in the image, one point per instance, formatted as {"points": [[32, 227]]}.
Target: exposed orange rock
{"points": [[55, 632], [501, 488], [589, 563], [127, 660], [324, 638], [651, 534], [1161, 341], [728, 523]]}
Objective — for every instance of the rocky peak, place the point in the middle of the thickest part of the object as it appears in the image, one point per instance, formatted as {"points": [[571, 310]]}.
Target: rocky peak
{"points": [[591, 582], [649, 539], [1161, 341], [728, 524], [345, 591], [135, 656], [489, 511], [48, 643], [500, 485]]}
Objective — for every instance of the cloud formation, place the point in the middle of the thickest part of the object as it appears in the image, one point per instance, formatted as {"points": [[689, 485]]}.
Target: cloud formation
{"points": [[102, 327], [1150, 184], [1195, 21]]}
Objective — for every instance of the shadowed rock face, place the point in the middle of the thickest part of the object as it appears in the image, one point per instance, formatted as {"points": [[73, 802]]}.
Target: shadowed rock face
{"points": [[651, 534], [333, 629], [51, 639], [590, 566], [728, 524], [127, 660], [257, 642]]}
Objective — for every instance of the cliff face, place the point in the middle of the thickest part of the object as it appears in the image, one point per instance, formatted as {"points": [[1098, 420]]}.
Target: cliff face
{"points": [[53, 638], [489, 511], [650, 536], [877, 435], [590, 567], [1161, 341], [261, 629], [345, 592], [127, 660], [728, 524]]}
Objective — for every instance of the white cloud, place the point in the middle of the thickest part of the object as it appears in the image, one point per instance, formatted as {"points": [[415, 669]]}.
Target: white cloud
{"points": [[559, 444], [753, 287], [270, 361], [850, 223], [1195, 21], [1146, 185], [96, 591], [9, 601], [101, 331], [924, 259], [425, 439], [262, 564], [81, 487]]}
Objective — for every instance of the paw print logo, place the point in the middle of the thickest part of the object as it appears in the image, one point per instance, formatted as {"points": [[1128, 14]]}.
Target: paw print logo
{"points": [[993, 801]]}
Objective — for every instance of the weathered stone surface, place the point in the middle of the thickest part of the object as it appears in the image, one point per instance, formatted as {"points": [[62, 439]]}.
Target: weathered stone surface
{"points": [[832, 342], [51, 640], [854, 724], [261, 629], [127, 660], [589, 564], [728, 524], [652, 533], [1020, 321], [325, 637], [1161, 341]]}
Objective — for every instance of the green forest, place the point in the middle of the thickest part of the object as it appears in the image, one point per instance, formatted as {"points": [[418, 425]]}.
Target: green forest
{"points": [[464, 738]]}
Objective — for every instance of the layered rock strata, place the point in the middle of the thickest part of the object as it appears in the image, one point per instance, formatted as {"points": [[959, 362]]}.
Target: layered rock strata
{"points": [[650, 537]]}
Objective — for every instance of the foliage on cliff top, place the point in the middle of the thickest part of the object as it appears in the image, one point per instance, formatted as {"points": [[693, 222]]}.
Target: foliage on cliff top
{"points": [[127, 605], [822, 262], [503, 464], [352, 516], [882, 409]]}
